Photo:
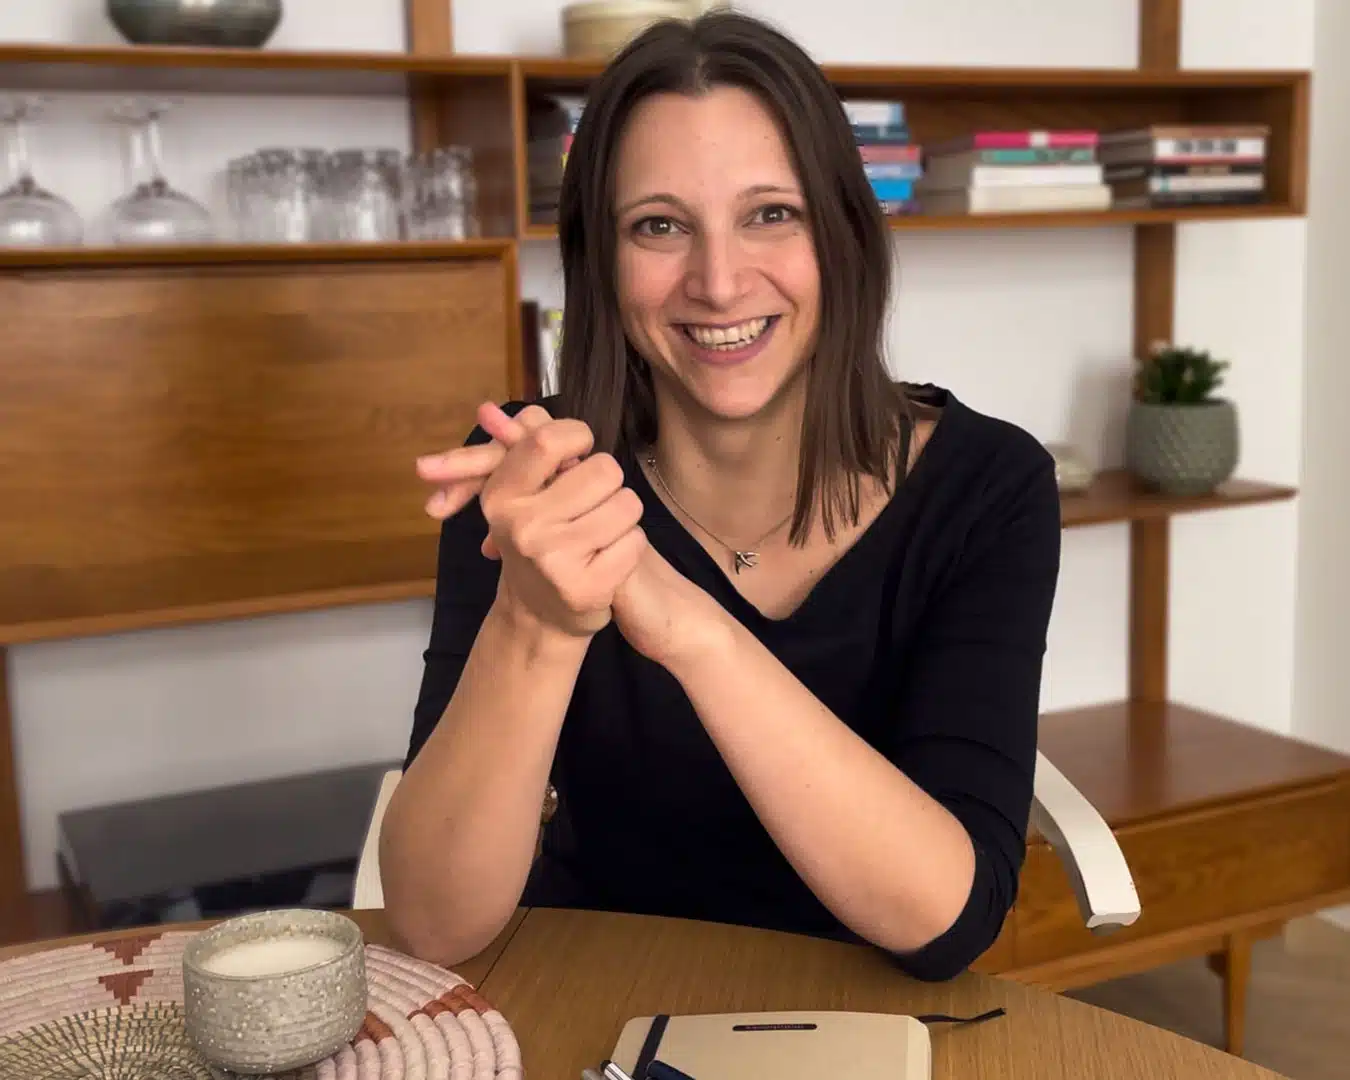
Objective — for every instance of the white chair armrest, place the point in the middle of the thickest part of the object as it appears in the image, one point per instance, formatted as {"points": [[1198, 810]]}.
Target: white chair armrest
{"points": [[1096, 866], [368, 891]]}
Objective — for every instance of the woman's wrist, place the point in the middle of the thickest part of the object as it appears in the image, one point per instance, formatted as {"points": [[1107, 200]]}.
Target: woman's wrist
{"points": [[709, 636], [526, 636]]}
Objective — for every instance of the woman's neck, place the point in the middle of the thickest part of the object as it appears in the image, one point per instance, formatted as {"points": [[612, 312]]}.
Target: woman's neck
{"points": [[737, 479]]}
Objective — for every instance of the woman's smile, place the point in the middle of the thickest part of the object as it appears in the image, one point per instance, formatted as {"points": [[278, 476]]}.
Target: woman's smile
{"points": [[728, 344]]}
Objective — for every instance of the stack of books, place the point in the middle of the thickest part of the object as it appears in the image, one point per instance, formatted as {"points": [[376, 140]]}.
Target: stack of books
{"points": [[892, 162], [552, 122], [1186, 165], [1009, 172]]}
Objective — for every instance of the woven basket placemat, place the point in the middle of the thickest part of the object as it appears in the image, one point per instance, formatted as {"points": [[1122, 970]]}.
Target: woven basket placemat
{"points": [[114, 1011]]}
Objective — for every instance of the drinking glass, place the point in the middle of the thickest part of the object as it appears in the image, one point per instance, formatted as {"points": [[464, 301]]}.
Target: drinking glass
{"points": [[30, 215], [153, 211], [442, 195], [366, 187], [279, 195]]}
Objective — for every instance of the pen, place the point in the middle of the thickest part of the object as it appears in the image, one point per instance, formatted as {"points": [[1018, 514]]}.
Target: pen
{"points": [[659, 1070], [613, 1072]]}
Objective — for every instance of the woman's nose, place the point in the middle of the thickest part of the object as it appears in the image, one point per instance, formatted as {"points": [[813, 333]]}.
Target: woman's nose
{"points": [[716, 271]]}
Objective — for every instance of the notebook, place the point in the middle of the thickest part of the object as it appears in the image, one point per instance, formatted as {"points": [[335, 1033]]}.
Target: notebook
{"points": [[779, 1046]]}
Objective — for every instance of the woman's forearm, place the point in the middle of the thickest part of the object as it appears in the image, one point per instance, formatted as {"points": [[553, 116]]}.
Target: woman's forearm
{"points": [[890, 862], [461, 830]]}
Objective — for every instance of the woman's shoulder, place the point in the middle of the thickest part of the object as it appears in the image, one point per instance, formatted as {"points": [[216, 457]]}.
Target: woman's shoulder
{"points": [[963, 435], [980, 471]]}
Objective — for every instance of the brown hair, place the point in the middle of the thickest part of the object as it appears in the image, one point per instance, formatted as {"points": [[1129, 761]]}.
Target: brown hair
{"points": [[856, 421]]}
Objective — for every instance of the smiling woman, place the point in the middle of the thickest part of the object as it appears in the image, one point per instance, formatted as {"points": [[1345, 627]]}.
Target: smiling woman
{"points": [[769, 622]]}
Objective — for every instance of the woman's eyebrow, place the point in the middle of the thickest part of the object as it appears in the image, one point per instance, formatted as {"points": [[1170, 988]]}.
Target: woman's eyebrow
{"points": [[666, 199]]}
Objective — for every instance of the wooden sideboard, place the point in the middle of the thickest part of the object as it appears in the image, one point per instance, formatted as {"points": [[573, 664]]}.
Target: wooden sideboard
{"points": [[1229, 831]]}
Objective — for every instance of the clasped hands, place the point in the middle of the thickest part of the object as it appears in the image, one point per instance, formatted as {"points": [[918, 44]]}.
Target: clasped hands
{"points": [[566, 530]]}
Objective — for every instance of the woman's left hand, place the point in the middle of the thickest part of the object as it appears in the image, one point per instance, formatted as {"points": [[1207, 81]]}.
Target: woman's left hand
{"points": [[661, 613], [664, 615]]}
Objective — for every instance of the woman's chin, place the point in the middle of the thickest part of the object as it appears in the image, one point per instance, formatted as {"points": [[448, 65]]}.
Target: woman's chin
{"points": [[742, 399]]}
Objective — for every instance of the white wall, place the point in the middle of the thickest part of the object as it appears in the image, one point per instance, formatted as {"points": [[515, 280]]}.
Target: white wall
{"points": [[167, 710], [1322, 677]]}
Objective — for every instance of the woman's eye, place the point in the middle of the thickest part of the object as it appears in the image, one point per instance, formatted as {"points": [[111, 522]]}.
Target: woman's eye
{"points": [[655, 227], [777, 214]]}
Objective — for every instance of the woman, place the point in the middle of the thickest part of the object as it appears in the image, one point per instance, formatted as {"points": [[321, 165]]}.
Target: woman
{"points": [[771, 624]]}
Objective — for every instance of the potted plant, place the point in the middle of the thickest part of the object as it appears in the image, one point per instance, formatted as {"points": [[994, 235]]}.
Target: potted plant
{"points": [[1179, 438]]}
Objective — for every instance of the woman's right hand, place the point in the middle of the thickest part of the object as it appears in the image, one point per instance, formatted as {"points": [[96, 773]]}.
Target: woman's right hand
{"points": [[561, 520]]}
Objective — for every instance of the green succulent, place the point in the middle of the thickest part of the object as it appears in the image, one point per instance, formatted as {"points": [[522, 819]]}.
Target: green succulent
{"points": [[1178, 375]]}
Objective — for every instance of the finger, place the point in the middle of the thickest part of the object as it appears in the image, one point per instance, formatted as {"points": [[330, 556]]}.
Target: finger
{"points": [[463, 463], [533, 460], [450, 501], [611, 566], [529, 418], [464, 470], [582, 488], [509, 430], [597, 529]]}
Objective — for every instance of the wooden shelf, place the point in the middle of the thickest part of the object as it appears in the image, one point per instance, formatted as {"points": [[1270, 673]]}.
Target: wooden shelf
{"points": [[46, 603], [944, 103], [50, 603], [225, 253], [1115, 497], [1089, 220], [563, 74], [350, 71], [1065, 220], [273, 603], [1138, 762], [233, 71]]}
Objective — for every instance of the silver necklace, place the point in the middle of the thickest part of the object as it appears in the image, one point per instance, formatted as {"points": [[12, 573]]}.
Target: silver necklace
{"points": [[741, 558]]}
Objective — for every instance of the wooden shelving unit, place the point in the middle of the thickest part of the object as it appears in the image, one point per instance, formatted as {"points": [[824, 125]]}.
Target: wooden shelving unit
{"points": [[1114, 497], [227, 431], [225, 254]]}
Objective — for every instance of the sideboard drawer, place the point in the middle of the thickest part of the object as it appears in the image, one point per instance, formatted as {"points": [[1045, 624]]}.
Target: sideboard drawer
{"points": [[1196, 868]]}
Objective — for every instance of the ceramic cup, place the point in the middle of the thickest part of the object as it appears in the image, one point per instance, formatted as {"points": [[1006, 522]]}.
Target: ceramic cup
{"points": [[274, 991]]}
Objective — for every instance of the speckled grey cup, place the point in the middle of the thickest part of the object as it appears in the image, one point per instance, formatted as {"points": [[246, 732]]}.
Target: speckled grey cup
{"points": [[256, 1024]]}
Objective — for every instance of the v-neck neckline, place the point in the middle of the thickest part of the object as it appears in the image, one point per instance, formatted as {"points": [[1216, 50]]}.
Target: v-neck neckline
{"points": [[697, 557]]}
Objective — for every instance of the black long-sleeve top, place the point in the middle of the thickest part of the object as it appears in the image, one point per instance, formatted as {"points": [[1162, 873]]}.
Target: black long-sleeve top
{"points": [[926, 637]]}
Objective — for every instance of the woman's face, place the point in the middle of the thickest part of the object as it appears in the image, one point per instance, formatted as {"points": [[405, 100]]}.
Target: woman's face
{"points": [[717, 279]]}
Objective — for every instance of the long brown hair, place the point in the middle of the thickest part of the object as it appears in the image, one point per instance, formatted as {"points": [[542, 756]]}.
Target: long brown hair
{"points": [[856, 421]]}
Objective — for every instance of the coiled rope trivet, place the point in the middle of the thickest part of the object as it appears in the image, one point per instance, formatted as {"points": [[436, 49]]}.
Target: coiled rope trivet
{"points": [[114, 1011]]}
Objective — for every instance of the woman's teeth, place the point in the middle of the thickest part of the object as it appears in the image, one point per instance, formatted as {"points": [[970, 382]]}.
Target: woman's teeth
{"points": [[727, 337]]}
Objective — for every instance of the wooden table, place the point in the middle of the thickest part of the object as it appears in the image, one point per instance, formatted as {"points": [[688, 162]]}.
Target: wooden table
{"points": [[568, 980]]}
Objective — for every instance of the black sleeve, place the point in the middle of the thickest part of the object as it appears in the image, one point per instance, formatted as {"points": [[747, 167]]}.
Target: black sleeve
{"points": [[970, 696], [466, 585]]}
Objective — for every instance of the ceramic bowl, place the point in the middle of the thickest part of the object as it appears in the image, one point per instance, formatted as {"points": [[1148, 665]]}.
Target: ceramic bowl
{"points": [[220, 23], [274, 991]]}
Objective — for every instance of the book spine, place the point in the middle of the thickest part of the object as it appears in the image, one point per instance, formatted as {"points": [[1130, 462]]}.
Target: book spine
{"points": [[1000, 140], [1004, 176], [884, 115], [893, 190], [888, 171], [895, 154], [1153, 168], [1032, 155]]}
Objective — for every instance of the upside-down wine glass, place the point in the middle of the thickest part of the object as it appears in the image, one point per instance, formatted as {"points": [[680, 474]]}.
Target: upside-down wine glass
{"points": [[30, 215], [153, 211]]}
